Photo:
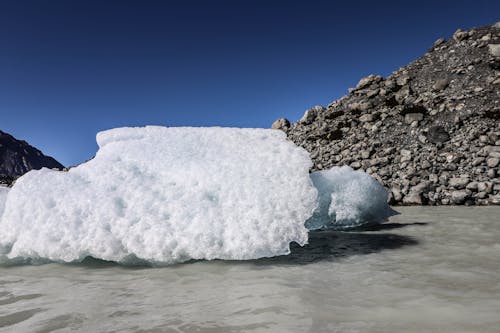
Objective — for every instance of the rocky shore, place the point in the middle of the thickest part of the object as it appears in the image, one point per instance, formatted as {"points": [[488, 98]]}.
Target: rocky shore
{"points": [[430, 132]]}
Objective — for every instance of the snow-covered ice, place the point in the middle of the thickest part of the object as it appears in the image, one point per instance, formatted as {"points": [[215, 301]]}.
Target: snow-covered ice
{"points": [[165, 195]]}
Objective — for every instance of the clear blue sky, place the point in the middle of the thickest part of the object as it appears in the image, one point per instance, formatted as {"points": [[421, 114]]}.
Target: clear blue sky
{"points": [[69, 69]]}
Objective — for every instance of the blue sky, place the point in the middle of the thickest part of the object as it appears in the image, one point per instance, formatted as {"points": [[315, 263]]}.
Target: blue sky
{"points": [[69, 69]]}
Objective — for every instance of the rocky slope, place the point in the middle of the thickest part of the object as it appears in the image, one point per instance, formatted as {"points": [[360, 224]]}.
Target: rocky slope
{"points": [[430, 132], [17, 157]]}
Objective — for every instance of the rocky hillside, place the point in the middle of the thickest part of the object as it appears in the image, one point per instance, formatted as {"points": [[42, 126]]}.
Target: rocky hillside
{"points": [[17, 157], [430, 132]]}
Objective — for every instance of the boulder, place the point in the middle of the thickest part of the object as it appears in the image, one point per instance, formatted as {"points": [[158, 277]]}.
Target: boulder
{"points": [[440, 84], [281, 124], [459, 197], [411, 117], [413, 199], [492, 162], [366, 81], [458, 182], [437, 134], [311, 114], [494, 49]]}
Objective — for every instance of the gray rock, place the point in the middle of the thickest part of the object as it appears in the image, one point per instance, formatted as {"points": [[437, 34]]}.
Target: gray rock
{"points": [[396, 193], [494, 154], [365, 154], [494, 199], [486, 187], [405, 155], [450, 167], [416, 194], [403, 80], [437, 134], [481, 195], [356, 165], [360, 106], [458, 182], [281, 124], [472, 186], [420, 187], [492, 162], [459, 197], [311, 114], [390, 84], [460, 35], [440, 84], [366, 81], [438, 42], [413, 198], [411, 117], [402, 94], [494, 49], [367, 118], [372, 93], [491, 149], [477, 161], [332, 114], [433, 178]]}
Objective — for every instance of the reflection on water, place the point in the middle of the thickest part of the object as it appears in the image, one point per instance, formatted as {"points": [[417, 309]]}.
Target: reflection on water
{"points": [[427, 270]]}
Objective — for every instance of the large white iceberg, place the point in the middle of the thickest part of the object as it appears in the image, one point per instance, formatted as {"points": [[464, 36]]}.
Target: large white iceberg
{"points": [[165, 195]]}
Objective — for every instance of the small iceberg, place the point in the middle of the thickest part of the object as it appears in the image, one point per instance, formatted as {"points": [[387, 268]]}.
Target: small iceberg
{"points": [[348, 199]]}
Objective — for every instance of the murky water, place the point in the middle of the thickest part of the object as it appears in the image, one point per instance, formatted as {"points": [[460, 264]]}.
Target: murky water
{"points": [[428, 270]]}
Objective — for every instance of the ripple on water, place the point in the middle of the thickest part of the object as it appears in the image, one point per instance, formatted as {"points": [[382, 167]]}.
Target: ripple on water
{"points": [[73, 320], [17, 317], [13, 299]]}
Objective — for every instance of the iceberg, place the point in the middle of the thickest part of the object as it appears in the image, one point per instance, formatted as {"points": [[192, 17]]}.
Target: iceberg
{"points": [[165, 195], [348, 199], [161, 195]]}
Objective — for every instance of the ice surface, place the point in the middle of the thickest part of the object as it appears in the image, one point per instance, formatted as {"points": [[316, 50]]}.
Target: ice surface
{"points": [[3, 197], [165, 195], [348, 198]]}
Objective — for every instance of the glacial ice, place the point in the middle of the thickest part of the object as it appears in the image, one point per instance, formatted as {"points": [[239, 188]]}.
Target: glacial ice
{"points": [[3, 197], [165, 195], [347, 199]]}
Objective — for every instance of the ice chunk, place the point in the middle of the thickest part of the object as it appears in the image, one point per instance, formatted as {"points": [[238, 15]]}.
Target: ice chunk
{"points": [[3, 197], [347, 199], [165, 195]]}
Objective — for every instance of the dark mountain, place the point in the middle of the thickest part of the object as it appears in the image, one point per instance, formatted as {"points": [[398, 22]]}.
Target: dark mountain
{"points": [[17, 157], [429, 132]]}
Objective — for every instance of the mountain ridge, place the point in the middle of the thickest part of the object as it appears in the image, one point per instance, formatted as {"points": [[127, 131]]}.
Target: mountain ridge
{"points": [[18, 157]]}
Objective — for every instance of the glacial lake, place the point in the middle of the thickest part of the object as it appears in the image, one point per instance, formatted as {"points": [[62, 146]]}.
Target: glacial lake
{"points": [[430, 269]]}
